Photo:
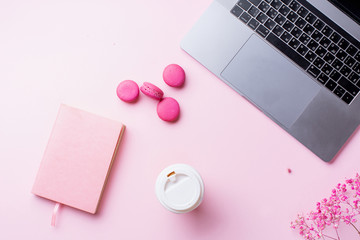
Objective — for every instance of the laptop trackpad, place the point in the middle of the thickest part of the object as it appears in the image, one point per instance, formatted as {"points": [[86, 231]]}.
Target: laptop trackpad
{"points": [[271, 81]]}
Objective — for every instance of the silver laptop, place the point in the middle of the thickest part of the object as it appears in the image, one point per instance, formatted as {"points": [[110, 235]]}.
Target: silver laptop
{"points": [[298, 61]]}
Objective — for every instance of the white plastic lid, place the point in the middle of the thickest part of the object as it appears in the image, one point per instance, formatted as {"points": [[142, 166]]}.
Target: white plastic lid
{"points": [[179, 188]]}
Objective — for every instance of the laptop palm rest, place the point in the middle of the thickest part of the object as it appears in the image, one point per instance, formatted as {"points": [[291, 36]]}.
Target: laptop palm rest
{"points": [[270, 81]]}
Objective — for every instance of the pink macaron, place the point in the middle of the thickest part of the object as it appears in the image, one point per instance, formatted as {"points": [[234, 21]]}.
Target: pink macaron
{"points": [[152, 91], [127, 91], [174, 75], [168, 109]]}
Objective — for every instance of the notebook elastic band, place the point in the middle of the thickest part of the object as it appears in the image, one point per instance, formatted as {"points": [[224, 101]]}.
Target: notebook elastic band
{"points": [[54, 214]]}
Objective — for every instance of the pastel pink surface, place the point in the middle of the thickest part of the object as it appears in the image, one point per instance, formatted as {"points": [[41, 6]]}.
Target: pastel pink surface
{"points": [[127, 91], [168, 109], [152, 91], [174, 75], [77, 159], [241, 154]]}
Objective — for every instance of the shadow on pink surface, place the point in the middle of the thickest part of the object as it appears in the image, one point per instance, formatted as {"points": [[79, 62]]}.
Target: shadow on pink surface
{"points": [[203, 222]]}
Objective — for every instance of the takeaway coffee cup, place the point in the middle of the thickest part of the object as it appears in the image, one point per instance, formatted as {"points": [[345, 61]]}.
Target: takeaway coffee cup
{"points": [[179, 188]]}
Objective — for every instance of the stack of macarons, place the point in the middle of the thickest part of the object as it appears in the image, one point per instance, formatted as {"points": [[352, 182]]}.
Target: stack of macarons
{"points": [[168, 108]]}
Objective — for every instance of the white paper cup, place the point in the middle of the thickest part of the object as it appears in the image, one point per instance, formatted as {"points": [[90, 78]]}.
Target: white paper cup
{"points": [[179, 188]]}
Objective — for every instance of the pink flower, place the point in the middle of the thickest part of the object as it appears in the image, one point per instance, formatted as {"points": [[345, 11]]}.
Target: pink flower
{"points": [[341, 206]]}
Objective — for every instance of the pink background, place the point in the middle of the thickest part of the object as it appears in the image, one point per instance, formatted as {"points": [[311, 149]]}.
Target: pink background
{"points": [[76, 52]]}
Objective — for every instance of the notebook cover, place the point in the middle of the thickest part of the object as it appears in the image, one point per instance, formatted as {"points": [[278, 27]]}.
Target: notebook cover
{"points": [[78, 158]]}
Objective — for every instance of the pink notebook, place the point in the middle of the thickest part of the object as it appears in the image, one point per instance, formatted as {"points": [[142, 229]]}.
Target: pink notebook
{"points": [[78, 159]]}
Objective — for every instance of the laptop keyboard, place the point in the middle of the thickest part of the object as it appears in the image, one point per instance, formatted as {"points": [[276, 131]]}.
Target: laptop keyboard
{"points": [[309, 38]]}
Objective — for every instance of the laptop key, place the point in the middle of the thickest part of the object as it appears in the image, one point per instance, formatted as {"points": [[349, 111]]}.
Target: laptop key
{"points": [[333, 48], [271, 13], [343, 44], [318, 24], [284, 10], [356, 68], [304, 39], [347, 98], [325, 42], [335, 75], [296, 32], [329, 58], [245, 17], [308, 29], [335, 37], [345, 71], [310, 56], [244, 4], [263, 31], [313, 45], [302, 11], [294, 5], [261, 17], [357, 56], [302, 49], [253, 23], [327, 69], [314, 71], [286, 37], [236, 11], [310, 18], [276, 4], [349, 61], [353, 77], [339, 91], [255, 2], [294, 43], [341, 54], [288, 26], [264, 6], [317, 35], [318, 62], [278, 30], [320, 51], [270, 24], [322, 78], [331, 85], [351, 50], [280, 19], [253, 11], [292, 16], [337, 64], [288, 51], [327, 31], [351, 88], [300, 23]]}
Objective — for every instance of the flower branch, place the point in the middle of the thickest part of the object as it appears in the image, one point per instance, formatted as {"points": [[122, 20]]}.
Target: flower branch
{"points": [[341, 207]]}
